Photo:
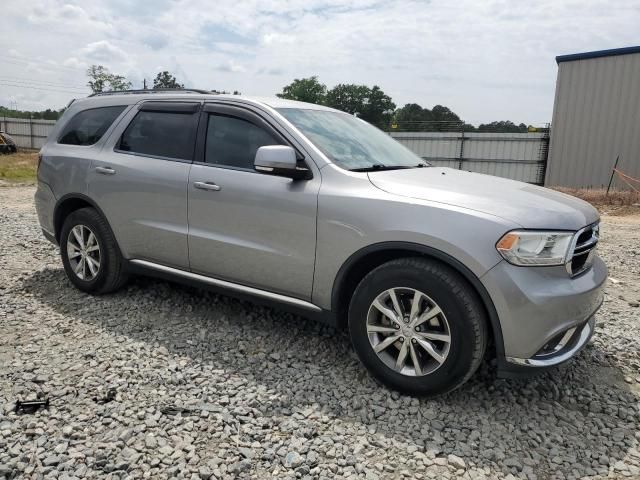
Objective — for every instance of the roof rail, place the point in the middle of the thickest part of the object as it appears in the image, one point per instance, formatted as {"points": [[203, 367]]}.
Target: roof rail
{"points": [[158, 90]]}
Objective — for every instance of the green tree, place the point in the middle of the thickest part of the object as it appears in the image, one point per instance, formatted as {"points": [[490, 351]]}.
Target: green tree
{"points": [[102, 80], [165, 80], [379, 108], [412, 117], [444, 114], [412, 114], [503, 126], [369, 104], [305, 90]]}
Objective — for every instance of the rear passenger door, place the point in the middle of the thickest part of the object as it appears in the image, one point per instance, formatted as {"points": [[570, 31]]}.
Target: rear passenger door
{"points": [[139, 180], [245, 226]]}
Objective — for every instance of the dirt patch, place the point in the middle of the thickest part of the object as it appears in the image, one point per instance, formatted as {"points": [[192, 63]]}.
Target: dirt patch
{"points": [[615, 203]]}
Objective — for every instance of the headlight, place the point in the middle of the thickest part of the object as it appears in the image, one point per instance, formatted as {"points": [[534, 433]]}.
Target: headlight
{"points": [[531, 248]]}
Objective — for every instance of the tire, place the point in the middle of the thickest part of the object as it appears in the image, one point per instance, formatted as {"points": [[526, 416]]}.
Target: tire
{"points": [[110, 274], [461, 319]]}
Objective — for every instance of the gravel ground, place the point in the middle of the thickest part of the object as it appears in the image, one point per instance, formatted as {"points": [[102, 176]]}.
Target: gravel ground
{"points": [[165, 381]]}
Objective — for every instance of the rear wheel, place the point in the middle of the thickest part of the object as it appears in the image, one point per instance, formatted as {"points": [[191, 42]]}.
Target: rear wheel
{"points": [[90, 254], [418, 326]]}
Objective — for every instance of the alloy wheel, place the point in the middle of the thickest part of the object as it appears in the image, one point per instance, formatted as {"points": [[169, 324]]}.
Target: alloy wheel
{"points": [[83, 252], [408, 331]]}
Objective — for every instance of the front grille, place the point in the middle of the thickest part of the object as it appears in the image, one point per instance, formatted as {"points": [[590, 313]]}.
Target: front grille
{"points": [[584, 249]]}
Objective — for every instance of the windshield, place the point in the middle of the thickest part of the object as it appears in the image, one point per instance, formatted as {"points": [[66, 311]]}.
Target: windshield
{"points": [[349, 142]]}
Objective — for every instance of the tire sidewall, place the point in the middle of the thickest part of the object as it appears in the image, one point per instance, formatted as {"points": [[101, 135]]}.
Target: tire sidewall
{"points": [[83, 217], [445, 292]]}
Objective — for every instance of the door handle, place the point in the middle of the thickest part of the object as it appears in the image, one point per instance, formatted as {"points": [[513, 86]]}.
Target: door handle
{"points": [[206, 186], [105, 170]]}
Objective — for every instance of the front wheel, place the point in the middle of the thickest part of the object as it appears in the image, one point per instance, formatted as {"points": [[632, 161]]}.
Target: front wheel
{"points": [[418, 326]]}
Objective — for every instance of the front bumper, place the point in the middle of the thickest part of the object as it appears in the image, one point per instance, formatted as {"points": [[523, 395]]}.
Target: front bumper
{"points": [[570, 343], [546, 317]]}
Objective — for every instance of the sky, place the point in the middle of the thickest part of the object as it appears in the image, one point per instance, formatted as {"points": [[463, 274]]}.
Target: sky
{"points": [[485, 60]]}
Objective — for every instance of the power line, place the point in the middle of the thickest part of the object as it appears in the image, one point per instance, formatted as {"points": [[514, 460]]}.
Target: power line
{"points": [[31, 87], [43, 87], [32, 62], [9, 78]]}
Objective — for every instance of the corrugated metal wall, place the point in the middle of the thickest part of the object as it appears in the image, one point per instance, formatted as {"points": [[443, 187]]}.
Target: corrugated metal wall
{"points": [[519, 156], [27, 133], [596, 118]]}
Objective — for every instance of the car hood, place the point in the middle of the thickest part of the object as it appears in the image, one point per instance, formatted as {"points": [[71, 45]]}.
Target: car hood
{"points": [[528, 205]]}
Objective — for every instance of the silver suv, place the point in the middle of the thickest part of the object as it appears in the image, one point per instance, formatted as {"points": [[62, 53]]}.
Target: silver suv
{"points": [[318, 211]]}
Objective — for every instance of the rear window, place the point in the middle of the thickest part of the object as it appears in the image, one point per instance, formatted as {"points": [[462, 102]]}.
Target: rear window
{"points": [[88, 126], [160, 134]]}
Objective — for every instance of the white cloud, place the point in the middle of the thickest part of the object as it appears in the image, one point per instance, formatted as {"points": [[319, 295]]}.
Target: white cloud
{"points": [[275, 38], [230, 67], [72, 11], [489, 60], [74, 62], [105, 52]]}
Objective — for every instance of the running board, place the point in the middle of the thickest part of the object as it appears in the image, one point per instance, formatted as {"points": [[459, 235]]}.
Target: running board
{"points": [[276, 297]]}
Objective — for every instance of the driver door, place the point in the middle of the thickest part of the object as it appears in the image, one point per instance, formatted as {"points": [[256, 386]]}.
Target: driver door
{"points": [[245, 226]]}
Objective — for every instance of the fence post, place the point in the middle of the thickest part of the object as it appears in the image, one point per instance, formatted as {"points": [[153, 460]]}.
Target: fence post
{"points": [[461, 157], [30, 131], [613, 172], [543, 154]]}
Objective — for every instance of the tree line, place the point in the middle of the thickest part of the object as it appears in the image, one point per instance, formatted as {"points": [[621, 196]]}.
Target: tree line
{"points": [[376, 107], [371, 104], [47, 114]]}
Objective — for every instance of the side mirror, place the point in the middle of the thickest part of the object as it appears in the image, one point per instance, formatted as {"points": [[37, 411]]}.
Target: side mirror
{"points": [[279, 160]]}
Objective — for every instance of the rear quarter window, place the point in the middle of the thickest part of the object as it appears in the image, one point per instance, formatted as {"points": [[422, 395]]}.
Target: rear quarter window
{"points": [[161, 134], [88, 126]]}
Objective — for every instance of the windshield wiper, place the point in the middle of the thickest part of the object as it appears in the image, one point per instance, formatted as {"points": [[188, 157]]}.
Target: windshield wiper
{"points": [[379, 167]]}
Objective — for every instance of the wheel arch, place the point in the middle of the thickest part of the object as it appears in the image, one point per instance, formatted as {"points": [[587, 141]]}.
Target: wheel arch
{"points": [[366, 259], [68, 204]]}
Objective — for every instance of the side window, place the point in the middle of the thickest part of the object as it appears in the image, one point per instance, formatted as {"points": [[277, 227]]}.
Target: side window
{"points": [[161, 134], [88, 126], [233, 142]]}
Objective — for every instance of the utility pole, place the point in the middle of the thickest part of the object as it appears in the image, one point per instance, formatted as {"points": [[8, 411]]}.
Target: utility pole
{"points": [[144, 83]]}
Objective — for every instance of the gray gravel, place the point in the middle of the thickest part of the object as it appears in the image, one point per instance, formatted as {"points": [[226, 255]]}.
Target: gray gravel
{"points": [[165, 381]]}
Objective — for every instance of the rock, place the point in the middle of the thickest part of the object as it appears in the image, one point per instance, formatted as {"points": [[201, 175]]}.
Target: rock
{"points": [[240, 467], [513, 462], [204, 473], [51, 460], [150, 441], [246, 452], [455, 461], [293, 460], [595, 407]]}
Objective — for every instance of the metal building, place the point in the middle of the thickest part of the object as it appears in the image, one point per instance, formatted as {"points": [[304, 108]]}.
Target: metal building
{"points": [[596, 119]]}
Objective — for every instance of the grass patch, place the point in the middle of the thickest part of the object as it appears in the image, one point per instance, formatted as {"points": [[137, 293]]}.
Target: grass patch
{"points": [[19, 167]]}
